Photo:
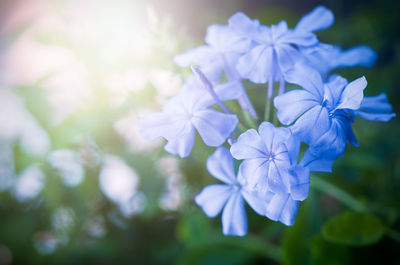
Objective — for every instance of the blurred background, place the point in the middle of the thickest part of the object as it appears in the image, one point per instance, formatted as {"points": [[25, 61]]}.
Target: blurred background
{"points": [[79, 186]]}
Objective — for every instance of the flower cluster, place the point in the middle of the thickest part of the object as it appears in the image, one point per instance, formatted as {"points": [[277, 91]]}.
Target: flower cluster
{"points": [[272, 177]]}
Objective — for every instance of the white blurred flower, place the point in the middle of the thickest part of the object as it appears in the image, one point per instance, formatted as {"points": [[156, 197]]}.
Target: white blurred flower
{"points": [[29, 183], [168, 165], [95, 227], [127, 127], [172, 197], [68, 91], [119, 183], [69, 165], [28, 60], [121, 85], [16, 123], [63, 219], [45, 242], [165, 82], [134, 205]]}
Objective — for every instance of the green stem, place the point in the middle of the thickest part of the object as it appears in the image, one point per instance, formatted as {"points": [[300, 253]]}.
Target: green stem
{"points": [[249, 120], [339, 194], [269, 98]]}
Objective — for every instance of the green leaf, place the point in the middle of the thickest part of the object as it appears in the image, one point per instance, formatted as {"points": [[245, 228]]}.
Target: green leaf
{"points": [[327, 253], [354, 229]]}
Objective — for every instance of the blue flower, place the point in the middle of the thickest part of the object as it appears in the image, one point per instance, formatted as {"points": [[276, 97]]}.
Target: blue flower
{"points": [[324, 57], [320, 112], [266, 157], [271, 167], [270, 161], [275, 49], [220, 54], [229, 196], [375, 108], [189, 110]]}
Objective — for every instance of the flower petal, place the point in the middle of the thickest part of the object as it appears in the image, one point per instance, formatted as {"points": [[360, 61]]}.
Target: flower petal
{"points": [[161, 124], [256, 172], [333, 142], [243, 25], [202, 55], [288, 56], [375, 108], [307, 78], [299, 182], [312, 124], [278, 181], [213, 126], [292, 104], [256, 200], [182, 145], [319, 18], [248, 145], [257, 64], [267, 132], [213, 198], [357, 56], [316, 163], [302, 38], [282, 208], [223, 39], [234, 219], [221, 166], [352, 94]]}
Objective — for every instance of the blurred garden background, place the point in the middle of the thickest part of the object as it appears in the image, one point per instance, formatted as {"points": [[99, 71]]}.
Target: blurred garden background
{"points": [[79, 186]]}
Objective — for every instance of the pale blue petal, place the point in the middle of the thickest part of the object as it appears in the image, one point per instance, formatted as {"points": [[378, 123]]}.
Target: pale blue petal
{"points": [[224, 40], [256, 200], [234, 220], [279, 30], [375, 108], [352, 94], [288, 56], [299, 178], [160, 124], [243, 25], [256, 172], [257, 64], [195, 96], [282, 208], [333, 142], [248, 145], [202, 55], [292, 104], [293, 147], [229, 90], [316, 163], [375, 116], [357, 56], [213, 198], [266, 131], [221, 166], [213, 126], [307, 78], [301, 38], [319, 18], [312, 124], [182, 145], [278, 181], [333, 90]]}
